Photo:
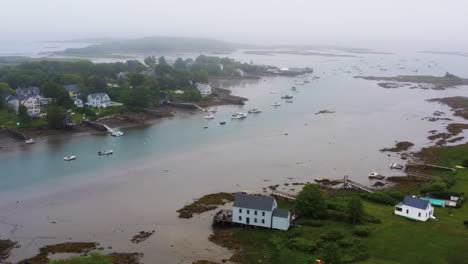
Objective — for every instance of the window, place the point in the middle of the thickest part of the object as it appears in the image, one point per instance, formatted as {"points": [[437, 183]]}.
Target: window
{"points": [[240, 218], [263, 221], [398, 209], [255, 220], [248, 211], [263, 213], [255, 212], [407, 211], [419, 214], [240, 210]]}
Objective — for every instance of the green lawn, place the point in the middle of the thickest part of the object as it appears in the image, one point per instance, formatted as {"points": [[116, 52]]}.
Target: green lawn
{"points": [[7, 119], [395, 240]]}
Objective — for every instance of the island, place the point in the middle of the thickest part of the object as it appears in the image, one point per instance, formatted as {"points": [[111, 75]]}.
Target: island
{"points": [[434, 82]]}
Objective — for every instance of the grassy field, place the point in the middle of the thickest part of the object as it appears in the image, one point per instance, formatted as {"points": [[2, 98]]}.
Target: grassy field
{"points": [[395, 240]]}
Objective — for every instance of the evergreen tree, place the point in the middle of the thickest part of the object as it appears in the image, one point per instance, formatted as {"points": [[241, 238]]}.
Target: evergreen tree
{"points": [[23, 115], [355, 211], [310, 202]]}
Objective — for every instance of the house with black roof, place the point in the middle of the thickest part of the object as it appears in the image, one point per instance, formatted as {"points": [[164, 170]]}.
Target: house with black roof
{"points": [[415, 208], [259, 210]]}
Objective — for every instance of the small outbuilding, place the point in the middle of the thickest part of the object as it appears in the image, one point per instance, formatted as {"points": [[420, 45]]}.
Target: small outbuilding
{"points": [[415, 209]]}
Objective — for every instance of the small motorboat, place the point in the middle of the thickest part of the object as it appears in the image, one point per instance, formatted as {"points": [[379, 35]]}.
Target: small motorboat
{"points": [[118, 134], [209, 117], [105, 152], [321, 180], [205, 127], [276, 104], [396, 166], [254, 111], [238, 116], [30, 141], [289, 101], [375, 175], [69, 158], [222, 122], [287, 96], [213, 109]]}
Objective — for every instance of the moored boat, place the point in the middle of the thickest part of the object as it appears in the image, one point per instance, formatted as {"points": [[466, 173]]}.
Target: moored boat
{"points": [[30, 141], [375, 175], [213, 109], [276, 104], [396, 166], [118, 134], [254, 111], [293, 88], [209, 117], [68, 158], [286, 96], [222, 122], [321, 179], [289, 101], [238, 116], [105, 152]]}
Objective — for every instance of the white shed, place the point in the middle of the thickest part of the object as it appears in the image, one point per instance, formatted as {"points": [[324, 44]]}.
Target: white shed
{"points": [[415, 208]]}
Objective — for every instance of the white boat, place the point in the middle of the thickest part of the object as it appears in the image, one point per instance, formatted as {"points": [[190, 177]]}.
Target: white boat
{"points": [[286, 96], [373, 174], [254, 111], [105, 152], [117, 134], [209, 117], [396, 166], [30, 141], [69, 158], [276, 104], [213, 109], [238, 116]]}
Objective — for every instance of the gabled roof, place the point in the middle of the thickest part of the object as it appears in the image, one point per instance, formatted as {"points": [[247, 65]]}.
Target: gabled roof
{"points": [[73, 88], [415, 202], [203, 86], [256, 202], [281, 213], [94, 95]]}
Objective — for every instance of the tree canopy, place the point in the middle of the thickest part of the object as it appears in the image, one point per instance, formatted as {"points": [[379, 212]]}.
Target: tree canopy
{"points": [[310, 202]]}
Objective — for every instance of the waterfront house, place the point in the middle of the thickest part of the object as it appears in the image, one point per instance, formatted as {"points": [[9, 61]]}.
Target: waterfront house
{"points": [[122, 75], [78, 102], [28, 92], [32, 104], [73, 91], [259, 210], [99, 100], [204, 88], [240, 73], [13, 101], [415, 208]]}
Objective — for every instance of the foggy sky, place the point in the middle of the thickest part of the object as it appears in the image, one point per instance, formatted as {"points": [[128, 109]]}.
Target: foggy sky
{"points": [[429, 23]]}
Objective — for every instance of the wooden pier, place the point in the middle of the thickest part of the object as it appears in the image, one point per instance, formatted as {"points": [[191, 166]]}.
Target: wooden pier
{"points": [[187, 106], [347, 183], [427, 165], [286, 195], [223, 217]]}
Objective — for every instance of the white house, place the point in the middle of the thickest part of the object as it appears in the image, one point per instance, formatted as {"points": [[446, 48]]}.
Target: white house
{"points": [[240, 73], [98, 100], [204, 88], [78, 102], [259, 210], [32, 104], [415, 208]]}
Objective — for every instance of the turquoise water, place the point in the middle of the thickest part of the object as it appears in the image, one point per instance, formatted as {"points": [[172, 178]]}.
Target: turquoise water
{"points": [[24, 166], [434, 201]]}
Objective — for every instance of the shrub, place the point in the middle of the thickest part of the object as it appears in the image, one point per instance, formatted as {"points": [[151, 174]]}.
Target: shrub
{"points": [[334, 235], [336, 205], [302, 244], [337, 216], [310, 222], [465, 223], [397, 195], [379, 197], [372, 219], [361, 230]]}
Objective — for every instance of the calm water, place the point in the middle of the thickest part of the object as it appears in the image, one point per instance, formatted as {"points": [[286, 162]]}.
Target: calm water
{"points": [[158, 168]]}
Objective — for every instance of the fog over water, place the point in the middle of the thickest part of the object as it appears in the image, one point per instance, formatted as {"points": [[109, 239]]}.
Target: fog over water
{"points": [[416, 24]]}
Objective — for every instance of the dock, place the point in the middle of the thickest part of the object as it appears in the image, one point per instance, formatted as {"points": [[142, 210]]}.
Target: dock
{"points": [[223, 217], [427, 165], [286, 195], [347, 183], [187, 106]]}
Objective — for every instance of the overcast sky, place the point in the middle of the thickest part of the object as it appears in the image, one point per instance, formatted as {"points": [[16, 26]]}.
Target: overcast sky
{"points": [[429, 23]]}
